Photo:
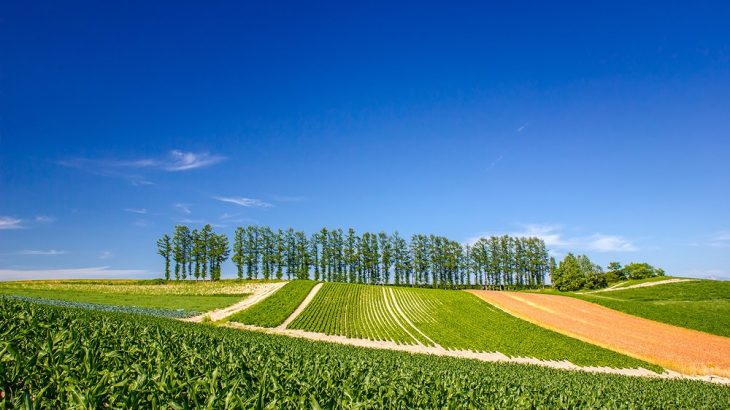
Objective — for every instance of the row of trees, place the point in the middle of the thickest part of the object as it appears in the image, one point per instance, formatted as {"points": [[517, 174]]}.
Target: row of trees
{"points": [[195, 253], [578, 272], [374, 258]]}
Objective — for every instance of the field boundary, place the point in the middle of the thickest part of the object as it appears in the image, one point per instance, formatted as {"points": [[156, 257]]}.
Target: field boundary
{"points": [[298, 311], [481, 356], [640, 285], [260, 293], [680, 349]]}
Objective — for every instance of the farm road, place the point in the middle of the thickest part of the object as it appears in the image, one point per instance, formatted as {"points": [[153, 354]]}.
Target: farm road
{"points": [[260, 292], [684, 350]]}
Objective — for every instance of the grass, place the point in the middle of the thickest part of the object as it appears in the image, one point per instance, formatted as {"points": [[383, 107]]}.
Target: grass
{"points": [[61, 358], [630, 282], [274, 310], [453, 319], [702, 305], [187, 296]]}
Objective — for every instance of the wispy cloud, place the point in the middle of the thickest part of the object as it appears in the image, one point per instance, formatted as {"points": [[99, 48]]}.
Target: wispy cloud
{"points": [[247, 202], [50, 252], [495, 162], [184, 161], [141, 223], [183, 208], [141, 211], [557, 240], [721, 239], [133, 169], [522, 127], [7, 222], [44, 219], [80, 273], [105, 255]]}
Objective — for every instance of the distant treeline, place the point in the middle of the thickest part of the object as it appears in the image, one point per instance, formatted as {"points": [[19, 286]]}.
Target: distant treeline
{"points": [[374, 258], [578, 272]]}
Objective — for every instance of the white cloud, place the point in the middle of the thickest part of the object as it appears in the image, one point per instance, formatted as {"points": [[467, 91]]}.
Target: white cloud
{"points": [[80, 273], [184, 161], [105, 255], [131, 169], [7, 222], [556, 240], [247, 202], [141, 211], [720, 240], [522, 127], [184, 208], [50, 252], [44, 219]]}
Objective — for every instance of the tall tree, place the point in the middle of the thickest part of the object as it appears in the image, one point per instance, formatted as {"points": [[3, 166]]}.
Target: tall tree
{"points": [[179, 241], [164, 249], [204, 238], [386, 256], [238, 251]]}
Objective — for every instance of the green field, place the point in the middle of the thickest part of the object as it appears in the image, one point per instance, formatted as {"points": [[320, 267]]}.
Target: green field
{"points": [[53, 357], [452, 319], [701, 305], [186, 296], [274, 310]]}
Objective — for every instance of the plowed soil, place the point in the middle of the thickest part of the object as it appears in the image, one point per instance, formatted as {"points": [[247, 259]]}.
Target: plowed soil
{"points": [[686, 351]]}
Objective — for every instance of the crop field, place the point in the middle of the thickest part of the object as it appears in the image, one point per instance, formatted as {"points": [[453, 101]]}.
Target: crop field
{"points": [[120, 360], [356, 311], [702, 305], [452, 319], [175, 296], [274, 310]]}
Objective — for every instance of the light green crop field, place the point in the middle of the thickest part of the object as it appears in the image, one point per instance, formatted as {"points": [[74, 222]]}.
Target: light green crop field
{"points": [[274, 310], [189, 296], [452, 319], [701, 305]]}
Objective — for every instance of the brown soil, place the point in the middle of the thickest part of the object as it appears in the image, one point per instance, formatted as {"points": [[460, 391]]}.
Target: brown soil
{"points": [[684, 350]]}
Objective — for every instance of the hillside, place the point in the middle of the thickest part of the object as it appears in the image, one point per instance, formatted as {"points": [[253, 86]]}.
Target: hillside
{"points": [[702, 305], [451, 319]]}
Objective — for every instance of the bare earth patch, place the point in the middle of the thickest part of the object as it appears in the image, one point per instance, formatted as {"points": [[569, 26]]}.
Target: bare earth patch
{"points": [[259, 292], [684, 350]]}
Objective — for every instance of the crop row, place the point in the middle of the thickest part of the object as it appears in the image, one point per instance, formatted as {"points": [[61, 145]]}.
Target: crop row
{"points": [[356, 311], [176, 313], [275, 309], [53, 357]]}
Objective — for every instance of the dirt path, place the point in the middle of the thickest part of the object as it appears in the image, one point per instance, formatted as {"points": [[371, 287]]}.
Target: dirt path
{"points": [[468, 354], [641, 285], [298, 311], [260, 293], [684, 350]]}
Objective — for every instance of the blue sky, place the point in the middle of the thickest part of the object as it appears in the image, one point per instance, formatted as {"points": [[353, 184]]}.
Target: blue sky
{"points": [[603, 129]]}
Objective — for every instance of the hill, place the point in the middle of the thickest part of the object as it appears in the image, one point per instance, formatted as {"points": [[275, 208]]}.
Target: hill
{"points": [[702, 305], [451, 319]]}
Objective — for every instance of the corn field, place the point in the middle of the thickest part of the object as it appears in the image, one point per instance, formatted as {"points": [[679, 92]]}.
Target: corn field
{"points": [[56, 357]]}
